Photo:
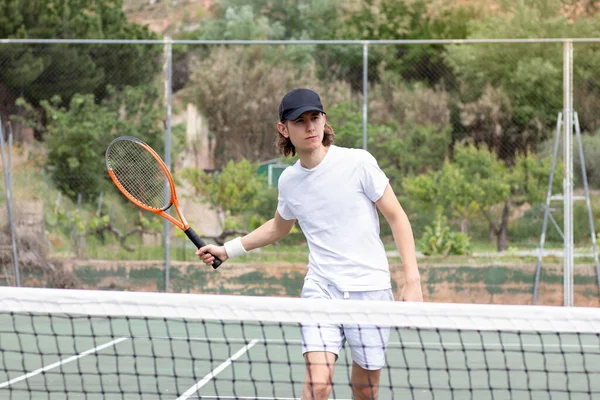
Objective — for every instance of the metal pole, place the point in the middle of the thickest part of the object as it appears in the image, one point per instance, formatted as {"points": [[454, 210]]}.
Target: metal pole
{"points": [[10, 146], [300, 42], [538, 268], [99, 208], [587, 196], [365, 85], [568, 174], [168, 91], [13, 233], [270, 174]]}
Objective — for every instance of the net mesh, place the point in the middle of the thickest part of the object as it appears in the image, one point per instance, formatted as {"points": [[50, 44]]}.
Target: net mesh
{"points": [[120, 345], [139, 173]]}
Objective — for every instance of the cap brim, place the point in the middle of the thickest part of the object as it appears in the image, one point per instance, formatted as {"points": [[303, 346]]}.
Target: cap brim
{"points": [[301, 110]]}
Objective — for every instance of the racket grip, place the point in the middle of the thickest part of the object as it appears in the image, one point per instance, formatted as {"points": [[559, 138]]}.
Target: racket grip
{"points": [[200, 243]]}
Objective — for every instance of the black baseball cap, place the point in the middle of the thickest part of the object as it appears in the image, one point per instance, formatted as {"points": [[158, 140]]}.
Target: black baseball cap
{"points": [[297, 102]]}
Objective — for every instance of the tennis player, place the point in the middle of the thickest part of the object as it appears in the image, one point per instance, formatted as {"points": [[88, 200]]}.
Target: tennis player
{"points": [[334, 193]]}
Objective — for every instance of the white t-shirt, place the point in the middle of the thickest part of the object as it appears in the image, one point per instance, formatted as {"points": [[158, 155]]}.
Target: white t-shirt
{"points": [[334, 205]]}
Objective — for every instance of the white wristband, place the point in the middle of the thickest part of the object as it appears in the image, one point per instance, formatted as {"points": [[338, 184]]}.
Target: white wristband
{"points": [[234, 248]]}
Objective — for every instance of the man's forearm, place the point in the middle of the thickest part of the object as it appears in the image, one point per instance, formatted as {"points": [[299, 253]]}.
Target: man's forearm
{"points": [[265, 234], [404, 239]]}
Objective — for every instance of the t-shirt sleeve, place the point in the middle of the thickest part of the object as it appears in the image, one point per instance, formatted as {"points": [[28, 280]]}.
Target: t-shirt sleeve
{"points": [[373, 179], [283, 208]]}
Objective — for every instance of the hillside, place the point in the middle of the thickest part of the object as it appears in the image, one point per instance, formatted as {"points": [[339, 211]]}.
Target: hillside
{"points": [[173, 16], [167, 16]]}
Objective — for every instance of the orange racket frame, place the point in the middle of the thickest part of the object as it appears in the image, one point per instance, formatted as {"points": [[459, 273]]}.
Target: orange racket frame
{"points": [[182, 222]]}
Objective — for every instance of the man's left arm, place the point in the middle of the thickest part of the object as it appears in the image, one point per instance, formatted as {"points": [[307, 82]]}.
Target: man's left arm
{"points": [[394, 214]]}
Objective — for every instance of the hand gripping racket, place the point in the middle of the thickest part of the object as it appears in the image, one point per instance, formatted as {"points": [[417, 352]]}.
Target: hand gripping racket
{"points": [[143, 177]]}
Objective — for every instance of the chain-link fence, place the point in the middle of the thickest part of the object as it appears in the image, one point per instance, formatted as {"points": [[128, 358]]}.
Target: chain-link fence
{"points": [[430, 109]]}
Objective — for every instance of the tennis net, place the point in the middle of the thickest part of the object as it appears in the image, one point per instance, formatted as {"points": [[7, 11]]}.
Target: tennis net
{"points": [[74, 344]]}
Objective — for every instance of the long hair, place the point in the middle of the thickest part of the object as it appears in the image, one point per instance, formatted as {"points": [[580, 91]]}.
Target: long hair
{"points": [[286, 147]]}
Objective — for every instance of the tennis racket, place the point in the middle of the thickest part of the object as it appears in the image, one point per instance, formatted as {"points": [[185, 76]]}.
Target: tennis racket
{"points": [[143, 177]]}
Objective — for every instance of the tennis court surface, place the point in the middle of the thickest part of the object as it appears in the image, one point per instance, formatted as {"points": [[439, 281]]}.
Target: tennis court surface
{"points": [[72, 344]]}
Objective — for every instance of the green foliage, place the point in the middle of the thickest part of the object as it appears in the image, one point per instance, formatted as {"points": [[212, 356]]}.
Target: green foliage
{"points": [[448, 189], [532, 83], [438, 239], [483, 168], [280, 20], [292, 19], [410, 19], [243, 24], [234, 190], [405, 20], [99, 222], [531, 175], [77, 136], [267, 200], [10, 17], [401, 150], [41, 71], [476, 182], [75, 140], [68, 221]]}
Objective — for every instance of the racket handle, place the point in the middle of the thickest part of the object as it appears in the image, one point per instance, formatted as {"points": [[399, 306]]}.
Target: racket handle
{"points": [[200, 243]]}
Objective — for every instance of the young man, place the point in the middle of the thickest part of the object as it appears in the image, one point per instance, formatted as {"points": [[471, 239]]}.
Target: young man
{"points": [[334, 193]]}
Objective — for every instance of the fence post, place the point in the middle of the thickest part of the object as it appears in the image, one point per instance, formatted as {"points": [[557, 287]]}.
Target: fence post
{"points": [[10, 146], [365, 87], [168, 90], [11, 224], [568, 177]]}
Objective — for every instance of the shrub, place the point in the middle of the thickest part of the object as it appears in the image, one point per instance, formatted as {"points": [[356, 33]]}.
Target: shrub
{"points": [[438, 239]]}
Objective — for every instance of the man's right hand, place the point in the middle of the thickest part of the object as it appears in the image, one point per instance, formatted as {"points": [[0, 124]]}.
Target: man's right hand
{"points": [[208, 253]]}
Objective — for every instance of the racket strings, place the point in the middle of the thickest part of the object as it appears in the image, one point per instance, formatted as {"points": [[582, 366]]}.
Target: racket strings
{"points": [[140, 174]]}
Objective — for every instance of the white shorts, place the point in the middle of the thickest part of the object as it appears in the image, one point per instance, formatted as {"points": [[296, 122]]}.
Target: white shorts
{"points": [[367, 343]]}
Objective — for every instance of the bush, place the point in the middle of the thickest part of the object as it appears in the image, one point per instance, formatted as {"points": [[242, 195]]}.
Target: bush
{"points": [[438, 239], [76, 135]]}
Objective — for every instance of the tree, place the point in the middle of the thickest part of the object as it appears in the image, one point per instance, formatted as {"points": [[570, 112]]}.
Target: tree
{"points": [[41, 71], [447, 189], [478, 181], [239, 21], [402, 148], [404, 20], [285, 20], [77, 136], [305, 19], [525, 78]]}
